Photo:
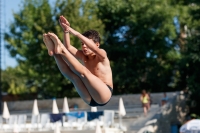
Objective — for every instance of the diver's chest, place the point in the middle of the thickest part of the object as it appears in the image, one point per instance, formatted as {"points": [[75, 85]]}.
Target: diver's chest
{"points": [[92, 65]]}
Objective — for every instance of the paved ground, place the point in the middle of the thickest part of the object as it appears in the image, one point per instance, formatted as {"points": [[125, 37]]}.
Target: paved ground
{"points": [[135, 124]]}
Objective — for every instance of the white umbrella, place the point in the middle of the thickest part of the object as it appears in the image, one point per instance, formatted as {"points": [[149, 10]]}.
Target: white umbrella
{"points": [[65, 105], [192, 125], [98, 128], [93, 109], [6, 113], [55, 107], [35, 108], [57, 128], [15, 128], [122, 111]]}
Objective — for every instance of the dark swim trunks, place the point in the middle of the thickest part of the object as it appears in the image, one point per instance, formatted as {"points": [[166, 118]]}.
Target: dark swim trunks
{"points": [[94, 103]]}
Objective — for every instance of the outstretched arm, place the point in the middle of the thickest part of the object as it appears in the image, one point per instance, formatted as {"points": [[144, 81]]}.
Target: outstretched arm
{"points": [[90, 44], [65, 24]]}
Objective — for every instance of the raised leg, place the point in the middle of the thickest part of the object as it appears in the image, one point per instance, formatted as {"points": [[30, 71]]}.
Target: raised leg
{"points": [[96, 87], [78, 84], [66, 71]]}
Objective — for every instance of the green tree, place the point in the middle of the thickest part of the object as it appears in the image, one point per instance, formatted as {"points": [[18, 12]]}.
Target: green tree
{"points": [[190, 63], [25, 41], [13, 85], [140, 40]]}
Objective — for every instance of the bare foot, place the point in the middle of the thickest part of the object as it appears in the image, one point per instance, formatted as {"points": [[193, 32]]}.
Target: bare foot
{"points": [[49, 44], [58, 44]]}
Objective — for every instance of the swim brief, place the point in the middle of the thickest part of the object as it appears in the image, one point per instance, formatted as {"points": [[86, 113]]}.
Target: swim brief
{"points": [[94, 103]]}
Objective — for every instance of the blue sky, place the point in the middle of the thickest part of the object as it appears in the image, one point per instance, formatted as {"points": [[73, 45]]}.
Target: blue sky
{"points": [[7, 8]]}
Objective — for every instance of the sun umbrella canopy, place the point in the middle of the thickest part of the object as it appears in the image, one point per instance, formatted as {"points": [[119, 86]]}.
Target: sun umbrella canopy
{"points": [[6, 113], [98, 128], [57, 129], [122, 111], [65, 105], [35, 108], [55, 107]]}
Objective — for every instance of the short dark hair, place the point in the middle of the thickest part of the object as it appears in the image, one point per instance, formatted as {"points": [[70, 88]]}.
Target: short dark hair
{"points": [[92, 34]]}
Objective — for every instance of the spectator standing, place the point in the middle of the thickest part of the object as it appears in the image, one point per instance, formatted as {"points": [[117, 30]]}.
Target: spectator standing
{"points": [[144, 98]]}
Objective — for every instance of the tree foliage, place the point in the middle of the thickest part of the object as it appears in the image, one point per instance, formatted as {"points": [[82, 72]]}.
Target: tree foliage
{"points": [[141, 43], [189, 64], [15, 83]]}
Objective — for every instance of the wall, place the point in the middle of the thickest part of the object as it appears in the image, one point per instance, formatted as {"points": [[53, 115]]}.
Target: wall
{"points": [[130, 101]]}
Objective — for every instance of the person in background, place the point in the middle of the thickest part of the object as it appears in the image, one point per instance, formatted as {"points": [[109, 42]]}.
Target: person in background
{"points": [[144, 98], [164, 99]]}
